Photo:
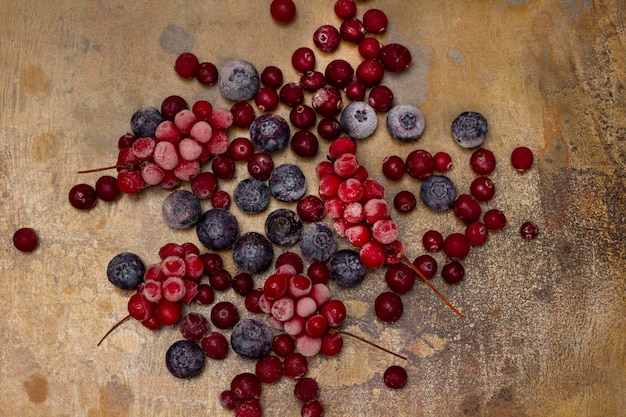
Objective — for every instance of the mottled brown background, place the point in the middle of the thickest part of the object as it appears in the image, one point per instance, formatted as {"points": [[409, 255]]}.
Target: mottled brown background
{"points": [[546, 327]]}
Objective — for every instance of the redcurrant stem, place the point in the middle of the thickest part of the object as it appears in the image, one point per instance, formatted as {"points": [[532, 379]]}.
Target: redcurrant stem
{"points": [[115, 326], [87, 171], [432, 287], [336, 331]]}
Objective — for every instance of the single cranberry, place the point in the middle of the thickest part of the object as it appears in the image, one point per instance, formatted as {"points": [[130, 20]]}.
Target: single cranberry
{"points": [[220, 199], [369, 47], [205, 295], [312, 80], [443, 161], [283, 11], [106, 188], [319, 272], [283, 344], [452, 272], [260, 166], [466, 208], [269, 369], [172, 105], [456, 246], [522, 158], [529, 230], [83, 196], [304, 144], [326, 101], [303, 59], [477, 233], [329, 128], [246, 386], [310, 208], [202, 109], [240, 149], [370, 72], [296, 365], [228, 400], [306, 390], [427, 265], [395, 57], [126, 140], [25, 239], [207, 73], [252, 301], [242, 283], [393, 167], [193, 326], [494, 219], [272, 76], [352, 30], [215, 346], [482, 161], [388, 307], [243, 114], [223, 167], [419, 164], [186, 65], [204, 185], [339, 73], [405, 201], [345, 9], [375, 21], [355, 91], [220, 280], [432, 241], [290, 258], [380, 98], [326, 38], [395, 377], [224, 315], [332, 344], [400, 278], [291, 94], [482, 188], [266, 99], [302, 116], [342, 145]]}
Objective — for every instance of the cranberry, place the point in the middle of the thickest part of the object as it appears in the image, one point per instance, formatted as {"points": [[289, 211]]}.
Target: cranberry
{"points": [[106, 188], [312, 80], [223, 166], [369, 47], [443, 161], [395, 57], [494, 219], [329, 128], [266, 99], [326, 38], [522, 158], [127, 140], [214, 345], [345, 9], [326, 101], [375, 21], [224, 315], [202, 109], [419, 164], [339, 73], [331, 345], [242, 283], [388, 307], [303, 59], [260, 166], [456, 246], [370, 72], [380, 98], [220, 280], [172, 105], [243, 114], [400, 278], [283, 11], [432, 241], [168, 312], [193, 326], [304, 144], [466, 208], [205, 295], [246, 386], [395, 377], [477, 233], [283, 344], [220, 199], [355, 91], [529, 230], [482, 161], [352, 30], [186, 65], [252, 301], [292, 259], [393, 167], [240, 149], [207, 73], [302, 116], [269, 369], [291, 94], [296, 365], [344, 145], [306, 390], [272, 76], [25, 239], [482, 189], [310, 208], [405, 201], [453, 272], [83, 196], [319, 272]]}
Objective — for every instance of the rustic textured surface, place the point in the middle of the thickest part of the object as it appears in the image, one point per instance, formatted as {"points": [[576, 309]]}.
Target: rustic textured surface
{"points": [[546, 319]]}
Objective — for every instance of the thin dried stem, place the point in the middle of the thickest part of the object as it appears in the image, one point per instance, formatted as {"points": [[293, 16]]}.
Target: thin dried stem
{"points": [[88, 171], [113, 328], [336, 331]]}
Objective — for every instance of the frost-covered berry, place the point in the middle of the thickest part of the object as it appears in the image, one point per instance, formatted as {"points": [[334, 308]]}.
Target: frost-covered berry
{"points": [[217, 229], [251, 339], [253, 253], [184, 359], [283, 227], [469, 129], [238, 80], [346, 268], [358, 120], [252, 195], [143, 122], [287, 183], [405, 123], [126, 271], [318, 242], [181, 209], [438, 192], [270, 133]]}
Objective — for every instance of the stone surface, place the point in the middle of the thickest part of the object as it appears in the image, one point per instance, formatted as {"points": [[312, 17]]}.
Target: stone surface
{"points": [[544, 334]]}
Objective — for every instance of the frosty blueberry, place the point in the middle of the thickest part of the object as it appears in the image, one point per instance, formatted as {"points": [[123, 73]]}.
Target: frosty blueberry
{"points": [[405, 123], [181, 209], [287, 183], [283, 227], [238, 80], [184, 359], [438, 192], [251, 195], [358, 120], [270, 133], [251, 339], [144, 122], [469, 129], [217, 229], [126, 271], [346, 268], [318, 242], [253, 253]]}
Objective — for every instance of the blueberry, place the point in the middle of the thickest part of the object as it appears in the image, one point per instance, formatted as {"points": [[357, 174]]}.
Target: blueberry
{"points": [[217, 229], [283, 227], [252, 195], [144, 122], [253, 253], [318, 242], [270, 133], [469, 129], [181, 209], [251, 339], [438, 192], [238, 80], [184, 359], [358, 120], [346, 268], [126, 271], [287, 183], [405, 123]]}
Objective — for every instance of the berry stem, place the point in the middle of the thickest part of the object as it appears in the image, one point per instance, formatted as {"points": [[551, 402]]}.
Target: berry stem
{"points": [[337, 331], [115, 326], [123, 166], [432, 287]]}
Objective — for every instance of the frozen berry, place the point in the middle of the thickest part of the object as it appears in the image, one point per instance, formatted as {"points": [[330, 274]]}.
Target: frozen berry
{"points": [[522, 158], [215, 345], [405, 123], [270, 133], [529, 230], [25, 239], [346, 268], [184, 359], [287, 183], [359, 120], [238, 80], [318, 242], [253, 253], [217, 229], [186, 65], [106, 188], [193, 326], [181, 209], [395, 57], [388, 307], [83, 196], [438, 193], [283, 11], [144, 122], [251, 195], [126, 270], [395, 377], [469, 129], [283, 227], [251, 339]]}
